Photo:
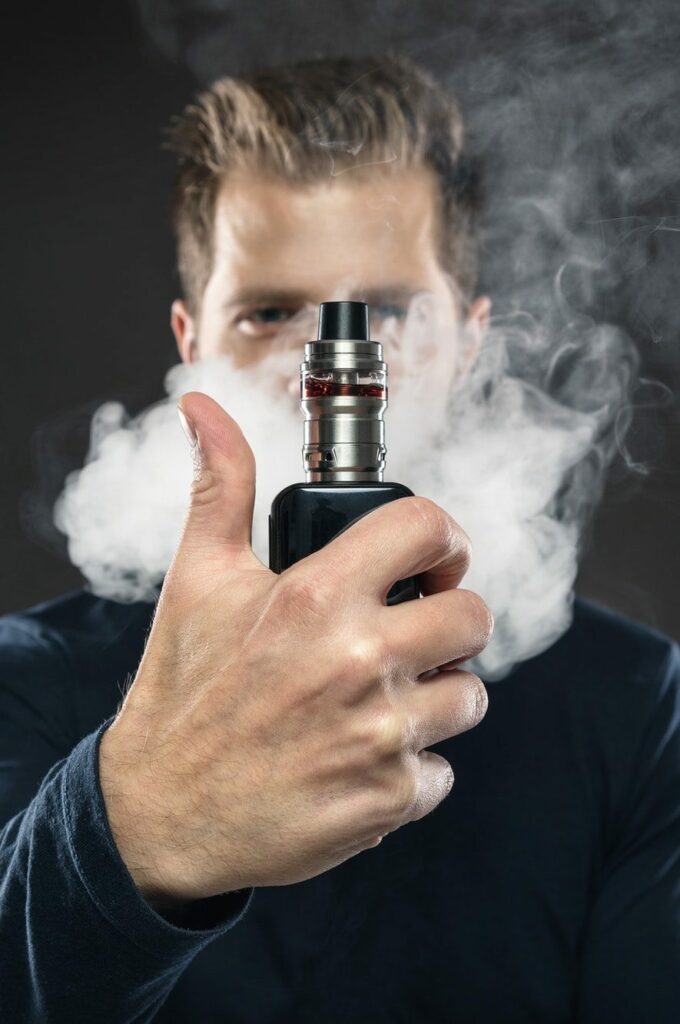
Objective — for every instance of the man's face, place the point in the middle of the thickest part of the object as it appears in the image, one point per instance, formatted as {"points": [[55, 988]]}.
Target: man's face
{"points": [[281, 249]]}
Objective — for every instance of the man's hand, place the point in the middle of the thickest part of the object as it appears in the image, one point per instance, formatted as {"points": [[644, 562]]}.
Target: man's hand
{"points": [[277, 725]]}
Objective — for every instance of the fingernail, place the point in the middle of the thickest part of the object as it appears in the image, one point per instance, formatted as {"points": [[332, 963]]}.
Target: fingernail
{"points": [[188, 428]]}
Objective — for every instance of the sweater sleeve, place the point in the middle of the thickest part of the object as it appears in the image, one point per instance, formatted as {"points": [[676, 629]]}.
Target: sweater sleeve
{"points": [[630, 972], [77, 939]]}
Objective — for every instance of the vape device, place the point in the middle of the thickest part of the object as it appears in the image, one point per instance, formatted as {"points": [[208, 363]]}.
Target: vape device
{"points": [[343, 394]]}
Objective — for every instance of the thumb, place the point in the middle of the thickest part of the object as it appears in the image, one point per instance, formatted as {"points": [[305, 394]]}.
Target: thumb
{"points": [[223, 489]]}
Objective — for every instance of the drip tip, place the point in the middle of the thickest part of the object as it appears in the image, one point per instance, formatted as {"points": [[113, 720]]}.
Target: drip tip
{"points": [[339, 321]]}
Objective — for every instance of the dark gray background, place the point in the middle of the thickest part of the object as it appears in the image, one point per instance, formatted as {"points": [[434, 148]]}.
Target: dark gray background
{"points": [[88, 278]]}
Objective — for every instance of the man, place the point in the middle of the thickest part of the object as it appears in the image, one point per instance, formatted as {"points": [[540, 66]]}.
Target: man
{"points": [[275, 734]]}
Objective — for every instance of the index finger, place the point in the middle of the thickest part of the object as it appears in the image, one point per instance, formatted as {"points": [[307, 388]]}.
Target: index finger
{"points": [[406, 537]]}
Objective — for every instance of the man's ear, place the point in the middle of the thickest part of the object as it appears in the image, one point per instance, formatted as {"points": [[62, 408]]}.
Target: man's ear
{"points": [[478, 316], [184, 329], [476, 325]]}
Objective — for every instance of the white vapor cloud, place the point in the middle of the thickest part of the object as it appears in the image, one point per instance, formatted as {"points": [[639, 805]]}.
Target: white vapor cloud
{"points": [[516, 467]]}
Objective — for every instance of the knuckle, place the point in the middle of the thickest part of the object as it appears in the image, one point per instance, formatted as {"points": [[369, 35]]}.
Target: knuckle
{"points": [[437, 521], [205, 487], [479, 700], [436, 783], [469, 703], [404, 792], [427, 512], [447, 778], [301, 593], [463, 544], [480, 618], [364, 659], [389, 733]]}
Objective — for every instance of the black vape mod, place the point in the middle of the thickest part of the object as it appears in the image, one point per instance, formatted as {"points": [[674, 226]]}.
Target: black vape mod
{"points": [[343, 394]]}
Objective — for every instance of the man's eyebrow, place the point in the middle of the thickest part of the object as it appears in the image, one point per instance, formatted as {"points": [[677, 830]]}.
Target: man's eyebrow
{"points": [[386, 296], [266, 297], [258, 296]]}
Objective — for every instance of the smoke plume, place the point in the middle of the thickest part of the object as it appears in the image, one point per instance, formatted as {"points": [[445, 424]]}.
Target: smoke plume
{"points": [[517, 468]]}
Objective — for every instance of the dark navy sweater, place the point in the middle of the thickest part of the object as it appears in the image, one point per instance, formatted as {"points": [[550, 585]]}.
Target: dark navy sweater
{"points": [[546, 887]]}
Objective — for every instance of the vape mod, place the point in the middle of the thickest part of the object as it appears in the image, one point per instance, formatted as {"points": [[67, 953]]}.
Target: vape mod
{"points": [[343, 394]]}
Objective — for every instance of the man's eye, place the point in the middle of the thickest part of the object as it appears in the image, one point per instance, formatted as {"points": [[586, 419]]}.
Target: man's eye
{"points": [[269, 315], [389, 309], [264, 320]]}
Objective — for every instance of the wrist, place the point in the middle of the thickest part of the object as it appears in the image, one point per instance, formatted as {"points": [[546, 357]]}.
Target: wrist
{"points": [[134, 833]]}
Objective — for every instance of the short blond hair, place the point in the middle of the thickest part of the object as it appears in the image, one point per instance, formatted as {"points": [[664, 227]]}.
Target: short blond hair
{"points": [[303, 122]]}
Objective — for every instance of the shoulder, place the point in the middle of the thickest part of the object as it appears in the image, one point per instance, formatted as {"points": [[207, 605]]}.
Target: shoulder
{"points": [[71, 652], [597, 715], [605, 654], [608, 685], [632, 672], [612, 644], [611, 688], [58, 628]]}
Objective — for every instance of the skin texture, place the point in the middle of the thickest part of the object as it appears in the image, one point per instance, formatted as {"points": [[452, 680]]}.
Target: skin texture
{"points": [[278, 725]]}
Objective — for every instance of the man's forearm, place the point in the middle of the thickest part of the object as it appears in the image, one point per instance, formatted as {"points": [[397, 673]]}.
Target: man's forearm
{"points": [[72, 921]]}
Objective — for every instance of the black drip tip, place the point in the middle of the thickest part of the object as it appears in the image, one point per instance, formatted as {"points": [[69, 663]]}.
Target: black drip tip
{"points": [[339, 321]]}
